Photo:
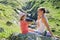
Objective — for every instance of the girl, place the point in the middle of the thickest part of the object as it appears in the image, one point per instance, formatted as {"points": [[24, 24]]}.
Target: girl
{"points": [[24, 28]]}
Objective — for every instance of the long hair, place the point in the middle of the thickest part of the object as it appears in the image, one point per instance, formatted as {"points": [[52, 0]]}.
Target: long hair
{"points": [[22, 18], [42, 9]]}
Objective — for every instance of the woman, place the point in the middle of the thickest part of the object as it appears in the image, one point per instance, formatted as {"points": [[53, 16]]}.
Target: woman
{"points": [[42, 23]]}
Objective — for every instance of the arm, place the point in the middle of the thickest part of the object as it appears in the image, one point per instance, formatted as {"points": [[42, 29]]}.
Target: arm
{"points": [[37, 23], [46, 24], [31, 30]]}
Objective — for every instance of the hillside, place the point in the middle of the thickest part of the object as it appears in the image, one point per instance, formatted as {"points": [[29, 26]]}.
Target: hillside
{"points": [[9, 17]]}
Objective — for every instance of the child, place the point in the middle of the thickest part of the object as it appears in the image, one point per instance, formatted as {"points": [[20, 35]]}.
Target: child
{"points": [[24, 27]]}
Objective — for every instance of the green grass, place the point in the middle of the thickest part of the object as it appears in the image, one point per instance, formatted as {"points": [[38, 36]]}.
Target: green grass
{"points": [[7, 15]]}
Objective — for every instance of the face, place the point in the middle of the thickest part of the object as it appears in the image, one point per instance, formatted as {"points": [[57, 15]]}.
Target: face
{"points": [[24, 17], [40, 13]]}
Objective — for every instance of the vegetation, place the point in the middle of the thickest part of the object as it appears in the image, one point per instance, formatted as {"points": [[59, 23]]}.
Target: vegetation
{"points": [[9, 17]]}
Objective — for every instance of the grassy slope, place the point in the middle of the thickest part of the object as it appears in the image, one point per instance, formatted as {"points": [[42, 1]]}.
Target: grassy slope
{"points": [[5, 16]]}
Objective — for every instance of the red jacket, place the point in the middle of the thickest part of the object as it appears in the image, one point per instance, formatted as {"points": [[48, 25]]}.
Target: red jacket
{"points": [[24, 27]]}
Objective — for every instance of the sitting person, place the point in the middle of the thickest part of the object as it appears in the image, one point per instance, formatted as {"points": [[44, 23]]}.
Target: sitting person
{"points": [[24, 27], [42, 23]]}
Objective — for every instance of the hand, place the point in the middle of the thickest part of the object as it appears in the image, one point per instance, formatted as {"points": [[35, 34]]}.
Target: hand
{"points": [[31, 30]]}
